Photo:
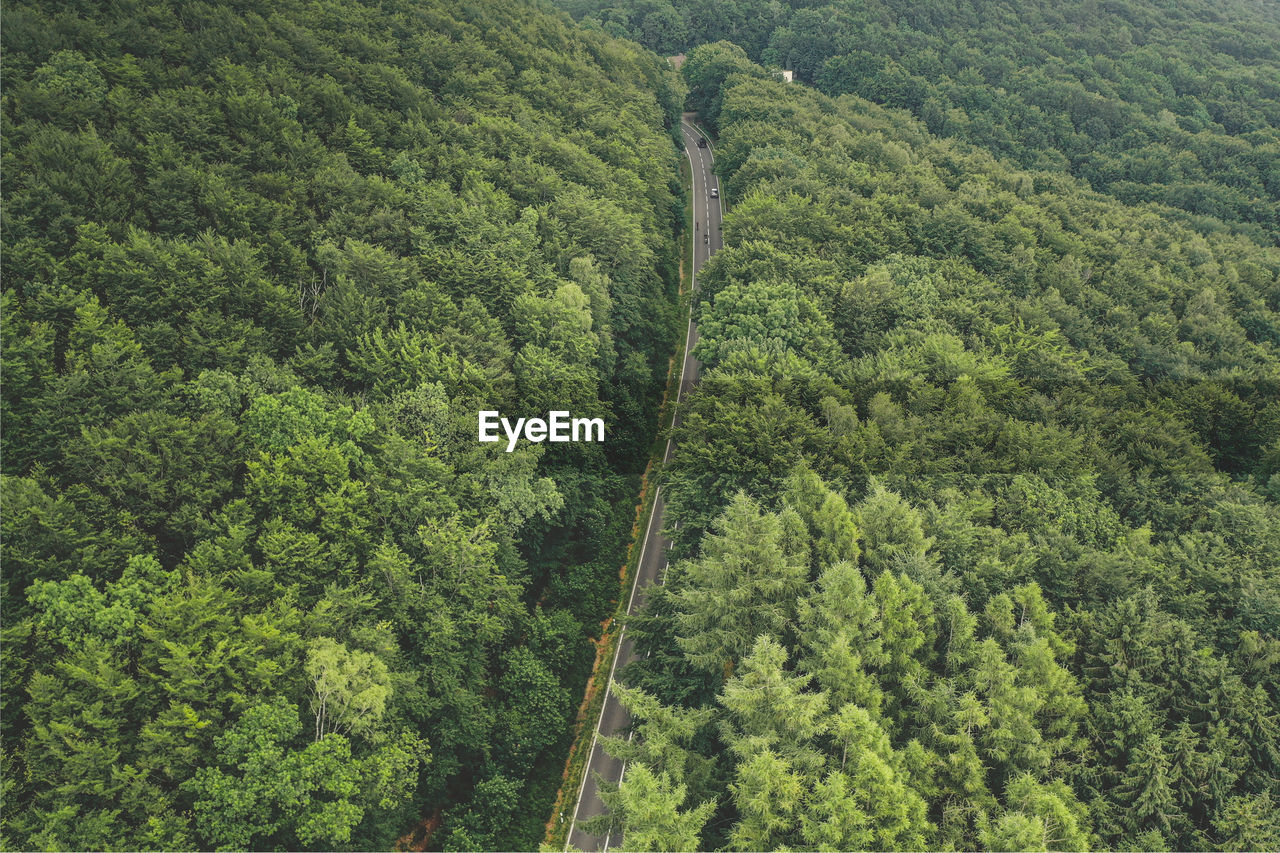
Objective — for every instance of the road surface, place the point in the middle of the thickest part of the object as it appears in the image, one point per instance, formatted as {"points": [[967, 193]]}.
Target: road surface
{"points": [[707, 212]]}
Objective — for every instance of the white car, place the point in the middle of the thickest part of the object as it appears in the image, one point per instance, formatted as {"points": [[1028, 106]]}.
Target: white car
{"points": [[715, 192]]}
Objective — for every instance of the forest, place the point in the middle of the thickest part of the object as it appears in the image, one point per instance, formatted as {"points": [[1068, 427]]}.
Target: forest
{"points": [[1169, 101], [263, 264], [976, 509]]}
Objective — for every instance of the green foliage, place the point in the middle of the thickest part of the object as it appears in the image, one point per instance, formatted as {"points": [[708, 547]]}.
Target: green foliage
{"points": [[1150, 102], [350, 688], [738, 590], [263, 264], [1015, 488], [974, 511], [651, 806]]}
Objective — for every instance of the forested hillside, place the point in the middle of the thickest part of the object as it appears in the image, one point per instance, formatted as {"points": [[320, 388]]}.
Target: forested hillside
{"points": [[263, 264], [976, 509], [1170, 101]]}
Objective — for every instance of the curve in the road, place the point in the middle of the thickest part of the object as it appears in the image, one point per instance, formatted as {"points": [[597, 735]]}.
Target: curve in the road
{"points": [[707, 214]]}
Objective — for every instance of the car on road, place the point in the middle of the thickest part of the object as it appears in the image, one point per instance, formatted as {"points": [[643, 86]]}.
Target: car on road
{"points": [[715, 192], [702, 142]]}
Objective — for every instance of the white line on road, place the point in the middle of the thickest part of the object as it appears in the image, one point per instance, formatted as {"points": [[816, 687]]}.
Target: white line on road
{"points": [[617, 653], [684, 366]]}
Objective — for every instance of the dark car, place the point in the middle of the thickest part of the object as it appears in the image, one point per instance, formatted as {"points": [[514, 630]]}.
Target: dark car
{"points": [[702, 142]]}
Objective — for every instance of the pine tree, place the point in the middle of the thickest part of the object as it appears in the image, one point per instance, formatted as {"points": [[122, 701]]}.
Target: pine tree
{"points": [[839, 632], [768, 708], [652, 819], [767, 791], [744, 586]]}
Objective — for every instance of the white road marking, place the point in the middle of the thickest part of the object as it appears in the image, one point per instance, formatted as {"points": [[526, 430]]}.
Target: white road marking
{"points": [[684, 364], [595, 736]]}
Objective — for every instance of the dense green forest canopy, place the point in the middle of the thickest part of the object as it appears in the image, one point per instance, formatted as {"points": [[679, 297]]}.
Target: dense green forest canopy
{"points": [[976, 509], [1168, 101], [264, 262]]}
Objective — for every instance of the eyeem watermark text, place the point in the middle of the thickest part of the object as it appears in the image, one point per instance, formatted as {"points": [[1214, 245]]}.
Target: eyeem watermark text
{"points": [[558, 426]]}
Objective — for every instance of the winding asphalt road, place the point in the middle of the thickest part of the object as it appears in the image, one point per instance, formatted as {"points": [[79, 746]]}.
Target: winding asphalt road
{"points": [[707, 212]]}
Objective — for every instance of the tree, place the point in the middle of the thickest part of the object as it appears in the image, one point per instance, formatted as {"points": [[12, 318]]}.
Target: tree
{"points": [[763, 315], [842, 643], [830, 520], [832, 819], [486, 820], [770, 709], [650, 808], [533, 714], [891, 529], [350, 689], [268, 790], [706, 69], [661, 736], [742, 587], [1247, 822], [768, 792], [1040, 816]]}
